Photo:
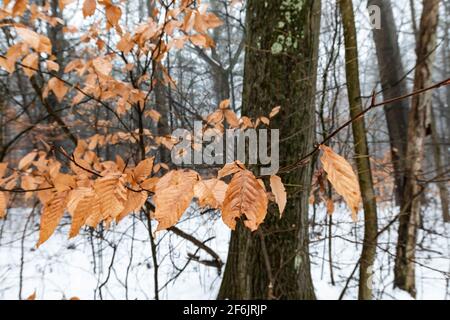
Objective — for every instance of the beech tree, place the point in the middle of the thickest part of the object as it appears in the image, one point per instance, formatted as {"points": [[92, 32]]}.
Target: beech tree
{"points": [[280, 69]]}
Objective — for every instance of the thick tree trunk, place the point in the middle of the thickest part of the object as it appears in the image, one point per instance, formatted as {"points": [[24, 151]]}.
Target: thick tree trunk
{"points": [[418, 124], [280, 69], [392, 77], [361, 151]]}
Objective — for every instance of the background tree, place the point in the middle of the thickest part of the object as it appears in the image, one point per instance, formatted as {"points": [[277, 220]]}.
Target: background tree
{"points": [[393, 84], [361, 152], [418, 125]]}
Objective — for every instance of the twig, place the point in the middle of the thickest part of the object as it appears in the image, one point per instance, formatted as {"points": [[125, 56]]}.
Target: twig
{"points": [[305, 159]]}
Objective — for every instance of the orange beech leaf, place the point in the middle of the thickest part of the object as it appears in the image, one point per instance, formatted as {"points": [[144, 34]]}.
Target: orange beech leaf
{"points": [[64, 3], [279, 192], [135, 201], [112, 194], [224, 104], [210, 192], [311, 199], [125, 44], [30, 61], [212, 21], [143, 169], [265, 120], [28, 183], [231, 118], [3, 167], [27, 160], [28, 36], [120, 163], [3, 204], [342, 177], [52, 66], [244, 196], [83, 203], [45, 45], [80, 149], [58, 87], [230, 168], [173, 195], [102, 65], [199, 40], [52, 213], [19, 7], [153, 114], [203, 22], [64, 182], [113, 14], [215, 117], [246, 122], [149, 184], [38, 42], [330, 206], [32, 296], [274, 112], [89, 7]]}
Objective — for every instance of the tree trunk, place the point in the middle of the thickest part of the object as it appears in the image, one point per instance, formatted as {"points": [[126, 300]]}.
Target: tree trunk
{"points": [[280, 69], [392, 77], [361, 152], [446, 67], [440, 168], [418, 124], [161, 101]]}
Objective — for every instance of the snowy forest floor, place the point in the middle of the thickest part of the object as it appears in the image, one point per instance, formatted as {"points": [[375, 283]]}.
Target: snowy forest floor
{"points": [[117, 263]]}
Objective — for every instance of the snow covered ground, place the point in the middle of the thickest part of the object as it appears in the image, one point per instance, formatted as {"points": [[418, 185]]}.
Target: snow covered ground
{"points": [[122, 267]]}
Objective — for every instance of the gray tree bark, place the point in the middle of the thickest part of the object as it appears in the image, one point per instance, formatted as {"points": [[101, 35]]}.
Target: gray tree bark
{"points": [[392, 77], [418, 124], [280, 69]]}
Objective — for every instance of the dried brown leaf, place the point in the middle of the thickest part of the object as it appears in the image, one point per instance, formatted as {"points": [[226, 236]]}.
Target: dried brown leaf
{"points": [[27, 160], [52, 213], [342, 177], [210, 192], [279, 192], [244, 196], [230, 168], [173, 195], [89, 7]]}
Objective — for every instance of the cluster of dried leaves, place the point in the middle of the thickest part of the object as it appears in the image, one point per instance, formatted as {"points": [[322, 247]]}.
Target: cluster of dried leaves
{"points": [[94, 191], [33, 51], [107, 191]]}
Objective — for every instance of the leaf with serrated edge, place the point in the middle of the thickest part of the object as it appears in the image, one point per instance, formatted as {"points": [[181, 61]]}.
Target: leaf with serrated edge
{"points": [[210, 192], [230, 168], [342, 178], [52, 213], [244, 196], [173, 195]]}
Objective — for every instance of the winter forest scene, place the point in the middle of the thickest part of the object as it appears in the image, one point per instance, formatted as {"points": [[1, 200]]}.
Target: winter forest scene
{"points": [[224, 150]]}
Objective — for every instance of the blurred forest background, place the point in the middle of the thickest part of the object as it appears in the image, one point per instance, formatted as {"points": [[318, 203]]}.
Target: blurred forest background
{"points": [[323, 62]]}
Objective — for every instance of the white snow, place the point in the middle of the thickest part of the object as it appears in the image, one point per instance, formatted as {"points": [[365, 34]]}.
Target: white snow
{"points": [[63, 268]]}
